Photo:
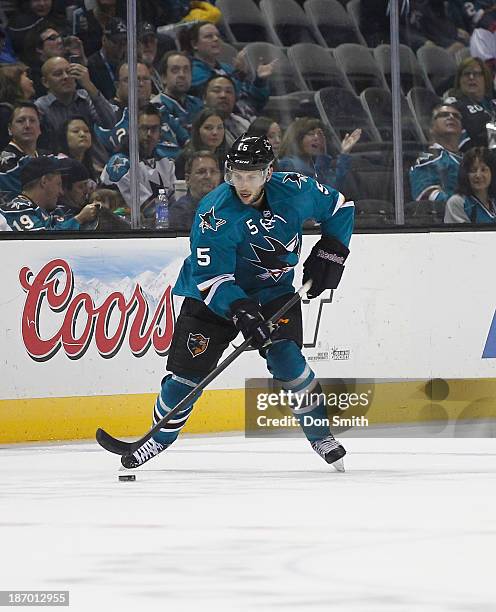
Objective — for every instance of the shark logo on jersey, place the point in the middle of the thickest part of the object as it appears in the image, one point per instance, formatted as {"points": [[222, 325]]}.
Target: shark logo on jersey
{"points": [[6, 156], [277, 260], [210, 221], [118, 163], [197, 344], [295, 177]]}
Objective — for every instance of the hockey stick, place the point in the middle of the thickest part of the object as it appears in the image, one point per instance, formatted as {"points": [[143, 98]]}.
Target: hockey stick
{"points": [[119, 447]]}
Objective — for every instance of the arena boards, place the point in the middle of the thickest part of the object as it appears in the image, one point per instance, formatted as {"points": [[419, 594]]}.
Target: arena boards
{"points": [[85, 328]]}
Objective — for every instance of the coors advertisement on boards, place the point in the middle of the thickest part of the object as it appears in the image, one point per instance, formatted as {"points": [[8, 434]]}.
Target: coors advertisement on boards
{"points": [[69, 309]]}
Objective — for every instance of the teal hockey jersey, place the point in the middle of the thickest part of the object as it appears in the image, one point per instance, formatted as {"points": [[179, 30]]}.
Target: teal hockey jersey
{"points": [[238, 251]]}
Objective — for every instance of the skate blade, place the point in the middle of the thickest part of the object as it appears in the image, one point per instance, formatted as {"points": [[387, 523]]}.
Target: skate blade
{"points": [[338, 465]]}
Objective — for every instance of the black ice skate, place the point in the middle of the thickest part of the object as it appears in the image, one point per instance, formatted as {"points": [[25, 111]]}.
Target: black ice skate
{"points": [[147, 451], [331, 451]]}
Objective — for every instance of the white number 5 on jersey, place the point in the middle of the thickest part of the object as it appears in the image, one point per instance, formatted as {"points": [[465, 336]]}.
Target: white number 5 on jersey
{"points": [[203, 256]]}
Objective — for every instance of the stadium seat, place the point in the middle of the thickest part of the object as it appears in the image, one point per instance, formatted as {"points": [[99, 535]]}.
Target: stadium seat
{"points": [[374, 213], [421, 101], [289, 23], [359, 65], [378, 103], [438, 66], [330, 18], [343, 112], [411, 73], [285, 109], [353, 8], [283, 79], [375, 185], [243, 21], [424, 213], [316, 67]]}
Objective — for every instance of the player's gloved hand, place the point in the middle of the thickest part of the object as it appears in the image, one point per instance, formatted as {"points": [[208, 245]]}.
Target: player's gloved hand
{"points": [[325, 265], [249, 321]]}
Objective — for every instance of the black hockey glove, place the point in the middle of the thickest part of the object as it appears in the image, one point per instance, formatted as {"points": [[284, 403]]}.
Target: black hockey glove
{"points": [[249, 321], [325, 265]]}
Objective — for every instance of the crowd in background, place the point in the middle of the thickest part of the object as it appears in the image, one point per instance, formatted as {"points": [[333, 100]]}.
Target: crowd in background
{"points": [[64, 120]]}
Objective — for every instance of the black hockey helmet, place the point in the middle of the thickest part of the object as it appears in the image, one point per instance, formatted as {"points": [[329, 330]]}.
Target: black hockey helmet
{"points": [[250, 153]]}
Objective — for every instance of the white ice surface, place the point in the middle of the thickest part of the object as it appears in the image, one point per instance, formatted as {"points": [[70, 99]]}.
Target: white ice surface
{"points": [[224, 523]]}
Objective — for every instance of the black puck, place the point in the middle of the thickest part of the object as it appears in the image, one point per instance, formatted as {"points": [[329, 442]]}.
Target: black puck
{"points": [[127, 477]]}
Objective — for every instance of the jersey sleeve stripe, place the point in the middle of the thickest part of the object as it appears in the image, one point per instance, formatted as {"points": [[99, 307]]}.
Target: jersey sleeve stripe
{"points": [[211, 281], [213, 289], [342, 203]]}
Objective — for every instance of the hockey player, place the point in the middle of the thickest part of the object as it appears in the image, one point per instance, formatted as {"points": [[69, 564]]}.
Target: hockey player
{"points": [[245, 243]]}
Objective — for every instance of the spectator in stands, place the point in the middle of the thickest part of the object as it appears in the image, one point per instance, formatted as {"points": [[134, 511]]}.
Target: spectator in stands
{"points": [[208, 133], [482, 15], [24, 131], [15, 87], [31, 15], [471, 15], [108, 220], [148, 51], [473, 200], [175, 72], [122, 86], [266, 126], [78, 193], [77, 186], [430, 18], [220, 94], [36, 208], [43, 42], [304, 150], [147, 43], [204, 42], [435, 173], [103, 64], [202, 176], [90, 26], [111, 200], [172, 136], [421, 22], [65, 100], [7, 55], [74, 50], [473, 96], [155, 170], [76, 141], [94, 20]]}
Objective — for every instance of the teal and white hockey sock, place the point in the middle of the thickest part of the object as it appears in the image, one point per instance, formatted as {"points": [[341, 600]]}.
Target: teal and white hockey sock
{"points": [[174, 388]]}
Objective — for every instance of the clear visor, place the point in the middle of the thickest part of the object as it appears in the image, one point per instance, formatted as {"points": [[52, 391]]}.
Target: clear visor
{"points": [[248, 179]]}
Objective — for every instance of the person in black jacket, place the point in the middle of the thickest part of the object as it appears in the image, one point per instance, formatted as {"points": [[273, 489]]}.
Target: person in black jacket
{"points": [[103, 64]]}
